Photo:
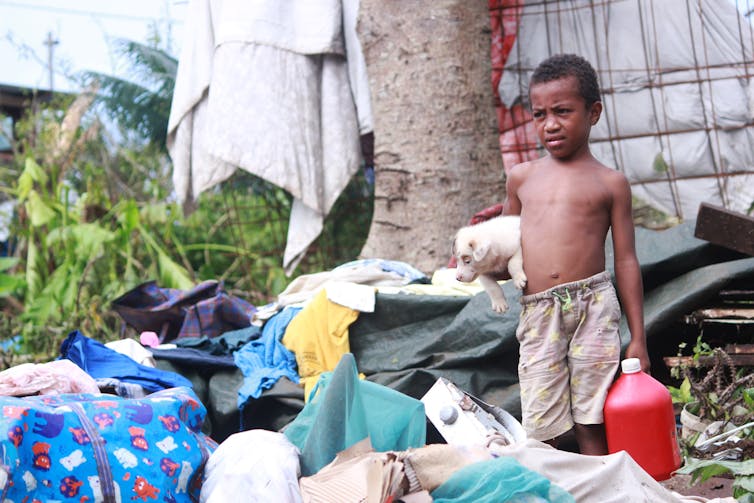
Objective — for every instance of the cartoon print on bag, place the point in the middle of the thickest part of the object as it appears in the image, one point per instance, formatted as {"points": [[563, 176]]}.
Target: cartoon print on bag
{"points": [[183, 477], [41, 455], [16, 435], [103, 420], [148, 468], [126, 458], [73, 460], [195, 424], [50, 425], [15, 411], [137, 438], [109, 404], [51, 400], [139, 412], [170, 423], [168, 466], [69, 486], [183, 412], [29, 481], [96, 486], [166, 445], [80, 436], [144, 489]]}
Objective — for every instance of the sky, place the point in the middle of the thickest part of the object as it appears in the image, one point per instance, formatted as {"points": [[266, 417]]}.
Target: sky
{"points": [[84, 31]]}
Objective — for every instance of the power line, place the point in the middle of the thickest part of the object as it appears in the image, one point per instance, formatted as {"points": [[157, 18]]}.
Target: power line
{"points": [[63, 10]]}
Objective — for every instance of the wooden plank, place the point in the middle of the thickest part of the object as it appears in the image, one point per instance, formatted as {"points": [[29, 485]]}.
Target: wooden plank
{"points": [[723, 312], [677, 361], [727, 228], [739, 349], [742, 360]]}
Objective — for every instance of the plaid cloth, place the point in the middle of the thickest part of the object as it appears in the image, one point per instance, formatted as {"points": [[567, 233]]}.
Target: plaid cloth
{"points": [[204, 311]]}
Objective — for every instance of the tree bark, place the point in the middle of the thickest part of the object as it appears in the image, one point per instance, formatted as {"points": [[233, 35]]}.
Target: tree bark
{"points": [[437, 157]]}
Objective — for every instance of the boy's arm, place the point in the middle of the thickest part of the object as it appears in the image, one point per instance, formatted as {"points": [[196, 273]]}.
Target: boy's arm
{"points": [[627, 271], [512, 204]]}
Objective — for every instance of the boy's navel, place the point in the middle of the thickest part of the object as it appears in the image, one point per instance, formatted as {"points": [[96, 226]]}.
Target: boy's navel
{"points": [[554, 275]]}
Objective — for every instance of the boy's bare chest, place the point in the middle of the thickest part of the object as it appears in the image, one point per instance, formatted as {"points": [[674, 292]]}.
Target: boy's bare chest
{"points": [[579, 194]]}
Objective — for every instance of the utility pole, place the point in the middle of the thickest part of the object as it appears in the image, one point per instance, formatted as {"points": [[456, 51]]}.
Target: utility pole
{"points": [[50, 42]]}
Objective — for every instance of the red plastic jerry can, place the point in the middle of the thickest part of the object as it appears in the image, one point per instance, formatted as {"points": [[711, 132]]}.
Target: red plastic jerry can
{"points": [[639, 419]]}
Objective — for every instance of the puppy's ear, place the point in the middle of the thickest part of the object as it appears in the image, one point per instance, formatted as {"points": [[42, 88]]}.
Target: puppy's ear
{"points": [[453, 247], [480, 250]]}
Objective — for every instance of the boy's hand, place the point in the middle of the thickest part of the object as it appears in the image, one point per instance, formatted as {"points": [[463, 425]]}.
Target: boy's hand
{"points": [[639, 350]]}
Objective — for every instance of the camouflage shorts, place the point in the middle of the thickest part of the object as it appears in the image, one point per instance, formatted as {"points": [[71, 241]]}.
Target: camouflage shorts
{"points": [[569, 353]]}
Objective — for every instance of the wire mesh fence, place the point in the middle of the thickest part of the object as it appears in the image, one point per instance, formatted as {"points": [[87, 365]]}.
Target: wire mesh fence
{"points": [[255, 221], [676, 82]]}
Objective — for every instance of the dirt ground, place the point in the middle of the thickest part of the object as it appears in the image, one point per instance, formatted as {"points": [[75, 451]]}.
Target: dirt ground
{"points": [[715, 487]]}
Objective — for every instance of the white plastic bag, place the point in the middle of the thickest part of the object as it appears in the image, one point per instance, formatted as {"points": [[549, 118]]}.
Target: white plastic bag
{"points": [[253, 466]]}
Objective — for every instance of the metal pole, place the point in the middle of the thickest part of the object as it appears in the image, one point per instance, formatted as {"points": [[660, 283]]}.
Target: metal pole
{"points": [[50, 42]]}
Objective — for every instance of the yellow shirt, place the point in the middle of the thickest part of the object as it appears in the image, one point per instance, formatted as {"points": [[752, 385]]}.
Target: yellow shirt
{"points": [[318, 336]]}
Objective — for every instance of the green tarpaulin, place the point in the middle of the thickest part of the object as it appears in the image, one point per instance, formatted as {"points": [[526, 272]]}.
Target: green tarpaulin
{"points": [[411, 340]]}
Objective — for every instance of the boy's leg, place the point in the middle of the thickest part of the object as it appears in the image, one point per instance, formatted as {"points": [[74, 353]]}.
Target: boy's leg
{"points": [[594, 357], [543, 371], [591, 439]]}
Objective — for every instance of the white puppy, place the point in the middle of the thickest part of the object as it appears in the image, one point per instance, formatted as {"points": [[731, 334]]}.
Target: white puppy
{"points": [[487, 248]]}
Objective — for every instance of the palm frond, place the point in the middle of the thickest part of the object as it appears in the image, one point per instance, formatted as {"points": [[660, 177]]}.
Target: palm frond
{"points": [[141, 103], [150, 63]]}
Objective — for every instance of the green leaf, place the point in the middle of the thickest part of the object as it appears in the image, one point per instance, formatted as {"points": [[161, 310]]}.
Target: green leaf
{"points": [[34, 270], [90, 238], [709, 471], [172, 275], [58, 237], [748, 395], [681, 394], [686, 390], [7, 263], [129, 216], [63, 285], [745, 482], [659, 165], [9, 284], [41, 310], [706, 468], [32, 173], [39, 212], [742, 496], [155, 214], [25, 184]]}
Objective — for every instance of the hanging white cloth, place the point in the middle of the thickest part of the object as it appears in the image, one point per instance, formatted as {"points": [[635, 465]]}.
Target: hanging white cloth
{"points": [[279, 89]]}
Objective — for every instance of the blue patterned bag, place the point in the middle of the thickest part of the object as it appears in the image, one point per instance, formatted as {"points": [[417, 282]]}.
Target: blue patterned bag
{"points": [[103, 448]]}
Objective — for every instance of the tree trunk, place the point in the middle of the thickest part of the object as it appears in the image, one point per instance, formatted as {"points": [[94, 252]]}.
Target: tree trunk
{"points": [[437, 157]]}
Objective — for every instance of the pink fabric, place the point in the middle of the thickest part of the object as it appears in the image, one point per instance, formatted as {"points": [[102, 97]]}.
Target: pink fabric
{"points": [[55, 377]]}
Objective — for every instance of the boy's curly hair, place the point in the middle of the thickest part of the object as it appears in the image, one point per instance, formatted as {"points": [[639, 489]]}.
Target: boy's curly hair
{"points": [[567, 65]]}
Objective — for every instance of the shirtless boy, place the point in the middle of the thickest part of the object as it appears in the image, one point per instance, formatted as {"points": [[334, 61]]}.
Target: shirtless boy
{"points": [[568, 200]]}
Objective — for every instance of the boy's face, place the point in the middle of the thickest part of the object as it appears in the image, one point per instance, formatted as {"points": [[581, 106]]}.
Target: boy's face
{"points": [[561, 118]]}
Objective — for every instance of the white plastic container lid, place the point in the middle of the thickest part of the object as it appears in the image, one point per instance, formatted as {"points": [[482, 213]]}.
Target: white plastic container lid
{"points": [[630, 365]]}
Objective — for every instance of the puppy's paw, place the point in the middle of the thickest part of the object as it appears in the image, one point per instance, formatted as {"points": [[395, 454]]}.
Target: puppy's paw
{"points": [[519, 281], [499, 306]]}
